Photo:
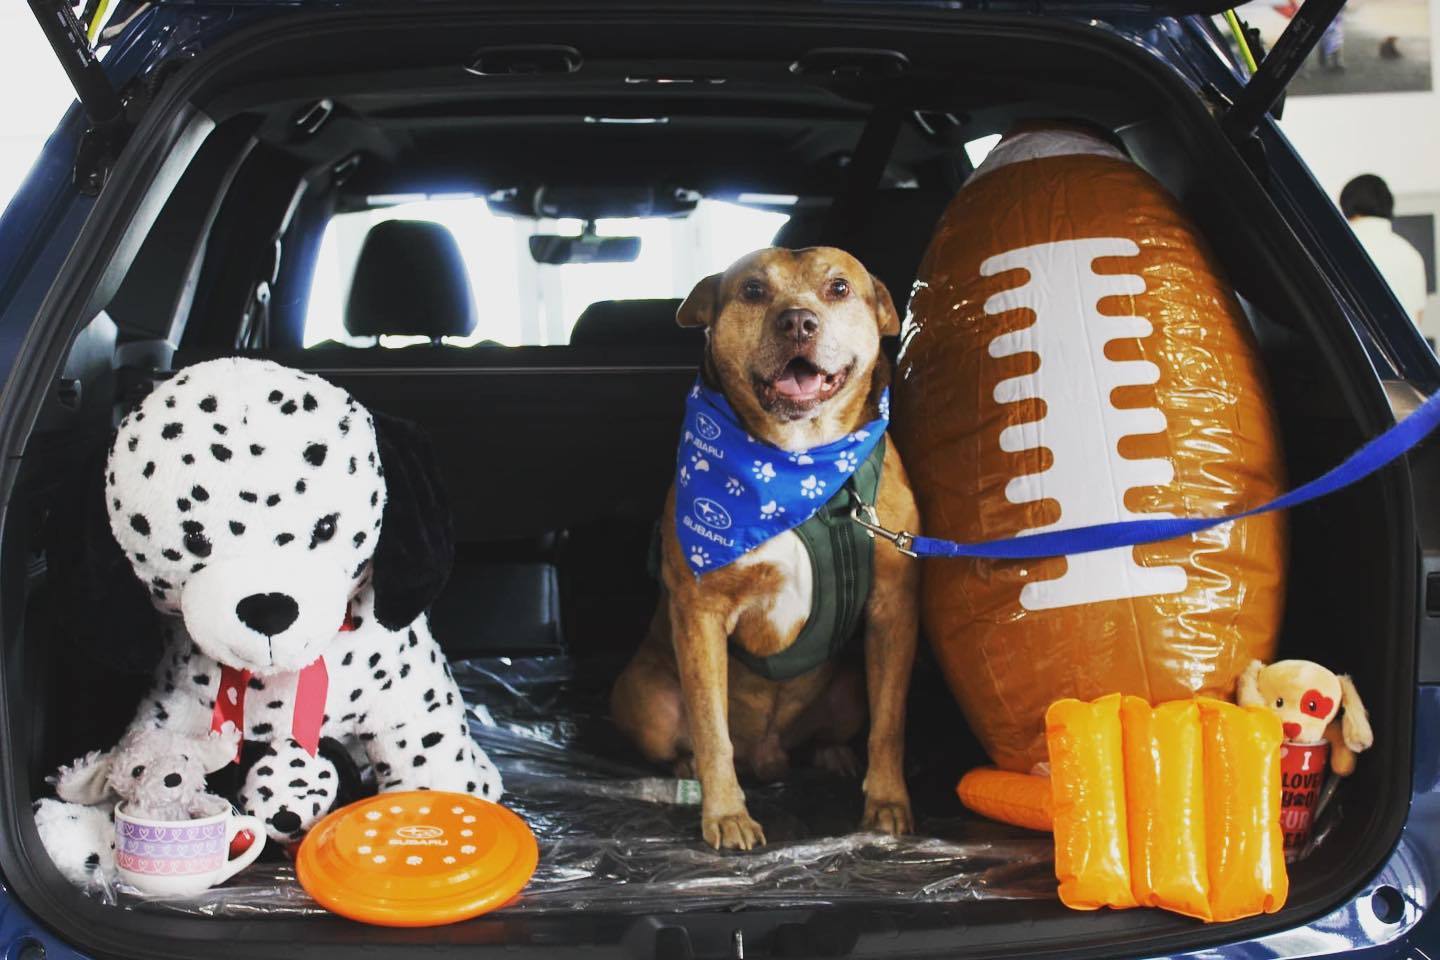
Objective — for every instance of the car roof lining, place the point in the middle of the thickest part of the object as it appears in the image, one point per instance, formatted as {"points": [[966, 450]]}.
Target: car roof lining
{"points": [[765, 128]]}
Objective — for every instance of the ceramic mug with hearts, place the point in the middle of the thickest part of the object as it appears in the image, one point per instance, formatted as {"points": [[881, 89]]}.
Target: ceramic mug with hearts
{"points": [[182, 857]]}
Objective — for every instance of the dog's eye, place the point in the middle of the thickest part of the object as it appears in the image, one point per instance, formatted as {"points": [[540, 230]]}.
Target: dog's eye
{"points": [[1279, 703], [138, 770], [324, 530], [839, 288], [753, 290], [195, 540], [198, 544]]}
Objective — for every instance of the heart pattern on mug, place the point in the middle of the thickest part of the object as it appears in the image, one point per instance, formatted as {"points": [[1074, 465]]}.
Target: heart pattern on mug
{"points": [[167, 866]]}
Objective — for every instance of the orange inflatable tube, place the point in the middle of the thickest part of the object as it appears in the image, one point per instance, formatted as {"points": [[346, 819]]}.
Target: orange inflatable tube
{"points": [[1244, 845], [1087, 771], [1165, 791], [1022, 799]]}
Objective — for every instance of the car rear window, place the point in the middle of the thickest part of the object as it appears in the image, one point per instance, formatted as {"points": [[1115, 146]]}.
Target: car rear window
{"points": [[519, 302]]}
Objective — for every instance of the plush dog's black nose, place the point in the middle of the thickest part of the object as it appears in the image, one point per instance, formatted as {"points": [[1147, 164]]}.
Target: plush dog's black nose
{"points": [[286, 821], [267, 613], [797, 324], [172, 779]]}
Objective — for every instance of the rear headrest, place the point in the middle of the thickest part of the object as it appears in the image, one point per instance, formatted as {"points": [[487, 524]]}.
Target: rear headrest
{"points": [[890, 238], [803, 229], [633, 323], [410, 279]]}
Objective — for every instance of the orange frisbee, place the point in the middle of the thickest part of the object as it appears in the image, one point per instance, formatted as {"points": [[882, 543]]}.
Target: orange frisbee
{"points": [[417, 859]]}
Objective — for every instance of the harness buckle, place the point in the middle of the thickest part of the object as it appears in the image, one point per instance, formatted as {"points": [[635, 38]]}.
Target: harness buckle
{"points": [[864, 514]]}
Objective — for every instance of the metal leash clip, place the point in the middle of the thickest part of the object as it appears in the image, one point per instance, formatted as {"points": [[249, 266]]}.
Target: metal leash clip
{"points": [[865, 515]]}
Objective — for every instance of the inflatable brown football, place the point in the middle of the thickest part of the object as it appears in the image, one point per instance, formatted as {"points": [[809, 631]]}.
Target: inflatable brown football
{"points": [[1074, 356]]}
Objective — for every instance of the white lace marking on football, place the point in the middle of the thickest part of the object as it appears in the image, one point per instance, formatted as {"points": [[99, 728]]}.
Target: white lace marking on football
{"points": [[1081, 427]]}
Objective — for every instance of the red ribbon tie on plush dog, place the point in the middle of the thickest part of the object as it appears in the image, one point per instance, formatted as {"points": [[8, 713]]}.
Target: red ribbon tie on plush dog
{"points": [[311, 686]]}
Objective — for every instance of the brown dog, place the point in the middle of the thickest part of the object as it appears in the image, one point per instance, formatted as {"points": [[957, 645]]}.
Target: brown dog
{"points": [[794, 345]]}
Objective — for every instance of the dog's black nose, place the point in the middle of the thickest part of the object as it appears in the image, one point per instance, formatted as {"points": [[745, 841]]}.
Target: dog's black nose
{"points": [[267, 613], [797, 324], [172, 779]]}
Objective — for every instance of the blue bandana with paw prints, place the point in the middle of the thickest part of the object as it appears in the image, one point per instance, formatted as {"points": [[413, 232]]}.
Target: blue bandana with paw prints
{"points": [[733, 492]]}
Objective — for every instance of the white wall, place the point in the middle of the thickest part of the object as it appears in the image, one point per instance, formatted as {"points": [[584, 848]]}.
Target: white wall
{"points": [[1395, 135], [33, 94]]}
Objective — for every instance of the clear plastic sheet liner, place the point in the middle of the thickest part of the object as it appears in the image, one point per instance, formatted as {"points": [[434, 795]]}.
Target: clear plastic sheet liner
{"points": [[618, 835]]}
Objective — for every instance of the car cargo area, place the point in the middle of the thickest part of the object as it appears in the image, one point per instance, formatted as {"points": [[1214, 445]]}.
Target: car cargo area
{"points": [[557, 445]]}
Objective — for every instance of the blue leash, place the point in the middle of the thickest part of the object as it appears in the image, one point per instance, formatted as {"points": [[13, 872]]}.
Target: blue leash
{"points": [[1379, 452]]}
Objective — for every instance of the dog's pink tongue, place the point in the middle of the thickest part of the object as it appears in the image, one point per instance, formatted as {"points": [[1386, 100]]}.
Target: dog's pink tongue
{"points": [[798, 382]]}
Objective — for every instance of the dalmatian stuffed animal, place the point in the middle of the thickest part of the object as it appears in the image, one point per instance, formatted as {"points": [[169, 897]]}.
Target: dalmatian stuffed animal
{"points": [[291, 543], [158, 774]]}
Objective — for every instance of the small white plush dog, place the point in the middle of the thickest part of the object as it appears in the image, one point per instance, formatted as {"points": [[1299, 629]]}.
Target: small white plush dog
{"points": [[159, 774]]}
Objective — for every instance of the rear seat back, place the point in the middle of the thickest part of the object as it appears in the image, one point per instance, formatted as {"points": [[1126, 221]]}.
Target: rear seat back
{"points": [[634, 323], [535, 448], [889, 237], [550, 468]]}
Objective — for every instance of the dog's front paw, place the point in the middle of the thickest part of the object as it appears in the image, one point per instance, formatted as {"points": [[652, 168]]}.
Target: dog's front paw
{"points": [[732, 831], [888, 816]]}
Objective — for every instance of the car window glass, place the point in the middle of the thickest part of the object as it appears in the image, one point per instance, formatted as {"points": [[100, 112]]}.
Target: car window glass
{"points": [[520, 302]]}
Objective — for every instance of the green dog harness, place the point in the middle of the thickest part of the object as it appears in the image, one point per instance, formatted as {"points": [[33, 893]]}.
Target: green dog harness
{"points": [[842, 568]]}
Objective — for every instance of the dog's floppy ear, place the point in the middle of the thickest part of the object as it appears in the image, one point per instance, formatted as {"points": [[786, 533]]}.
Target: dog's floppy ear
{"points": [[699, 308], [886, 315], [86, 779], [1355, 725], [417, 539], [1247, 688], [103, 611]]}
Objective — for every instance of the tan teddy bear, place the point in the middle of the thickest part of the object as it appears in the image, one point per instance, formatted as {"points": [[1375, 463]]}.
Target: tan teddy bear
{"points": [[1308, 699]]}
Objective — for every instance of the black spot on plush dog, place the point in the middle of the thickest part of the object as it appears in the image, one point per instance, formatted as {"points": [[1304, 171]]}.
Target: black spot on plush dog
{"points": [[246, 578]]}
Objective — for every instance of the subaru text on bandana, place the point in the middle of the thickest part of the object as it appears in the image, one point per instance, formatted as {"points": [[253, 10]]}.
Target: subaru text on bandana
{"points": [[734, 492]]}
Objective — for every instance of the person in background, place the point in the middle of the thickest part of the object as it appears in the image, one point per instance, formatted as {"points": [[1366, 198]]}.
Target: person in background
{"points": [[1368, 205], [1332, 44]]}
